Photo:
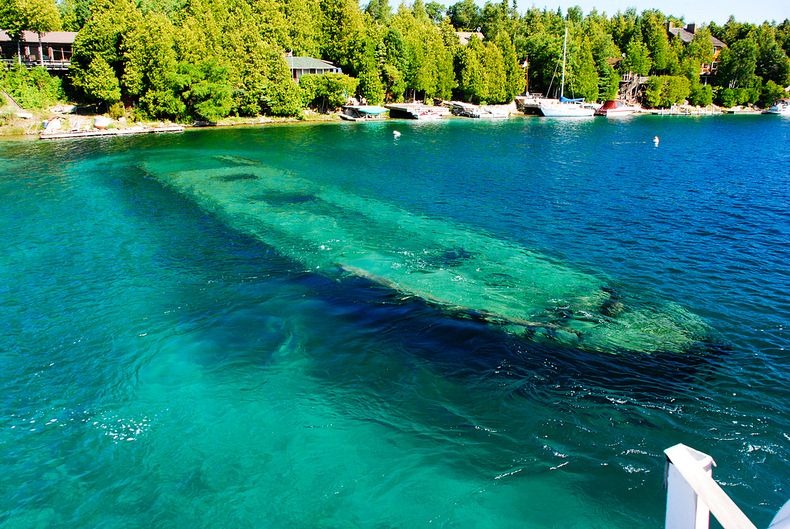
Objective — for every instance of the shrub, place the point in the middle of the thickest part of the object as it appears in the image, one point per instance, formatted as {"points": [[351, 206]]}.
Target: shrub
{"points": [[701, 96], [33, 89], [117, 110], [327, 91]]}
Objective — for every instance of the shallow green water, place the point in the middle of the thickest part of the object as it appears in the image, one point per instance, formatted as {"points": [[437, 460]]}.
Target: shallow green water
{"points": [[174, 357]]}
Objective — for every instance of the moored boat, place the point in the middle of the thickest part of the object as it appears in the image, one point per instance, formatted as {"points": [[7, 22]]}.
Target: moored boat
{"points": [[615, 108], [781, 107], [469, 110], [362, 112], [564, 107]]}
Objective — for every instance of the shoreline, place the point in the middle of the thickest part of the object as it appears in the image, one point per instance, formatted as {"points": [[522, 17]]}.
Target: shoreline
{"points": [[22, 129]]}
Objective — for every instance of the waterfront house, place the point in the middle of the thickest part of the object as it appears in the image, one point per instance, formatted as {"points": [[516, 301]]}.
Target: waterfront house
{"points": [[304, 65], [686, 35], [53, 51]]}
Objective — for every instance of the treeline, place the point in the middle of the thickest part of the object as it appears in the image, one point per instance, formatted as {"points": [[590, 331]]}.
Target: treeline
{"points": [[207, 59]]}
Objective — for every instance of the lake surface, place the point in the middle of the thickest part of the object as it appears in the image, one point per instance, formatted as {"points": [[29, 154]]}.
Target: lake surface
{"points": [[171, 359]]}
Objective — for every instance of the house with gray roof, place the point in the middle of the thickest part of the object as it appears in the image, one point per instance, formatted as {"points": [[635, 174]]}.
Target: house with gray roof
{"points": [[304, 65], [686, 35]]}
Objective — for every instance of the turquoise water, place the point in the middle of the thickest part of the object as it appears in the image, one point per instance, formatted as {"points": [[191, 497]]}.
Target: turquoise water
{"points": [[190, 356]]}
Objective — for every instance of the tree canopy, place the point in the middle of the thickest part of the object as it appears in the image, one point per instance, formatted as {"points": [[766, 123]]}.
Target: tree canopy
{"points": [[207, 59]]}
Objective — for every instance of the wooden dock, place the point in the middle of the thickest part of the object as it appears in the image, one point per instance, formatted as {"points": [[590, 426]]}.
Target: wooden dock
{"points": [[99, 133]]}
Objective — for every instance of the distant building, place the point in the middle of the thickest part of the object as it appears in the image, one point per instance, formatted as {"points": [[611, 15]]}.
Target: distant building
{"points": [[54, 53], [465, 36], [304, 65], [686, 35]]}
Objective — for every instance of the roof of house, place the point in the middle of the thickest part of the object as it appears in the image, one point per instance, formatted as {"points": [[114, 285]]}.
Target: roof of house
{"points": [[687, 36], [465, 36], [307, 63], [53, 37]]}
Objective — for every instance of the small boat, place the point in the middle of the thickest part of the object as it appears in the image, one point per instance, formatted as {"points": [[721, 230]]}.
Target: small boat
{"points": [[564, 107], [362, 112], [615, 108], [781, 107], [468, 110]]}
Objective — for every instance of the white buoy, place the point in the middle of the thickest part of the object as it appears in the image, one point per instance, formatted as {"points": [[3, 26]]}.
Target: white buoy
{"points": [[656, 141], [396, 134]]}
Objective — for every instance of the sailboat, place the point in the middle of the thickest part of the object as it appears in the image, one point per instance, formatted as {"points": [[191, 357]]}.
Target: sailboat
{"points": [[564, 108]]}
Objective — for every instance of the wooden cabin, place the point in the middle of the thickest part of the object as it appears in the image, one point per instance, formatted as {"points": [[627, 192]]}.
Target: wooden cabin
{"points": [[303, 65], [54, 51]]}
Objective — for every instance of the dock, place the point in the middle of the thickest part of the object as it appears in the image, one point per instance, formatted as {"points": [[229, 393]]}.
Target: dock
{"points": [[416, 111], [99, 133]]}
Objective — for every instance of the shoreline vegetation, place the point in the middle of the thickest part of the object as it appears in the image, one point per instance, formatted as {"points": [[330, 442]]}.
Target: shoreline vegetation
{"points": [[242, 61]]}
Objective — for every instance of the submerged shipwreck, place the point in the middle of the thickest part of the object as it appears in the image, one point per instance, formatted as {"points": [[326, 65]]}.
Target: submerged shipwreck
{"points": [[463, 271]]}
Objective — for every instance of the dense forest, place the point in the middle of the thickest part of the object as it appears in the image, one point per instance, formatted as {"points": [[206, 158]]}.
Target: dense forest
{"points": [[208, 59]]}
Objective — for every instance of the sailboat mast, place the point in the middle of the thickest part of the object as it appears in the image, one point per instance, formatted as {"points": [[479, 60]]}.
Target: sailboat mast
{"points": [[564, 50]]}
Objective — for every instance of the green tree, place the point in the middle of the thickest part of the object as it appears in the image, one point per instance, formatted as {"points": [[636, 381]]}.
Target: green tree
{"points": [[738, 64], [465, 15], [623, 28], [701, 95], [74, 13], [514, 75], [472, 79], [540, 37], [343, 34], [102, 37], [150, 73], [772, 62], [370, 85], [379, 10], [637, 58], [304, 24], [436, 12], [655, 37], [98, 82], [605, 54], [582, 77], [205, 90], [666, 90]]}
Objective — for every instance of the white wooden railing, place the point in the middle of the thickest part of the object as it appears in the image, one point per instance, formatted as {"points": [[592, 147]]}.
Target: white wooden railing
{"points": [[692, 494]]}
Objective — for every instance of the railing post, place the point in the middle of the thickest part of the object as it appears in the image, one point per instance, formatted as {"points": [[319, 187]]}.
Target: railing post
{"points": [[692, 494], [684, 508]]}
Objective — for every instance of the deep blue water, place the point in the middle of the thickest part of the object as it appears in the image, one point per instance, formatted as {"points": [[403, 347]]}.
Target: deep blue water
{"points": [[162, 368]]}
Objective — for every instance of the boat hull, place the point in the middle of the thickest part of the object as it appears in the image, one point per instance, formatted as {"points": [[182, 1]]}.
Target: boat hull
{"points": [[565, 110]]}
